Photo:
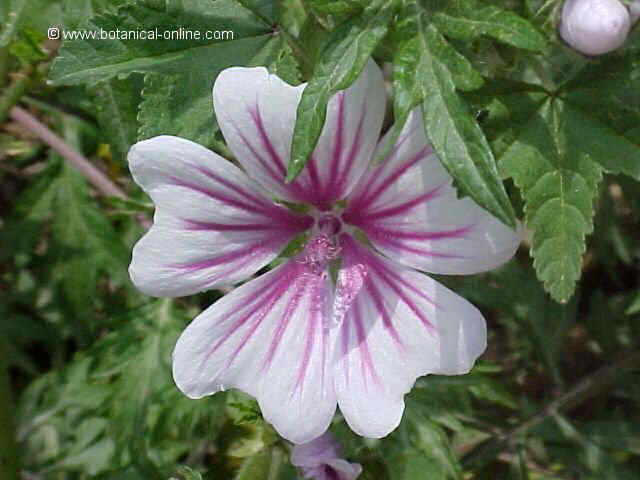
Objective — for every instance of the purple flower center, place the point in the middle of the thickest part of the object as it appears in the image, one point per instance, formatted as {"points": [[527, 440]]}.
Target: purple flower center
{"points": [[320, 251], [329, 225]]}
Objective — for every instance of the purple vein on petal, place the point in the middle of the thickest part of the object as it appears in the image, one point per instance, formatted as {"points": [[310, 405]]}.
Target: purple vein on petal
{"points": [[394, 281], [262, 161], [246, 251], [263, 303], [397, 244], [231, 186], [352, 255], [196, 225], [338, 148], [378, 300], [298, 291], [229, 200], [405, 207], [256, 298], [385, 276], [372, 191], [366, 362], [256, 116], [313, 334], [354, 151]]}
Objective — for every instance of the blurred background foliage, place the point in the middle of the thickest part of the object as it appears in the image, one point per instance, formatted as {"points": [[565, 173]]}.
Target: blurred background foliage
{"points": [[85, 381]]}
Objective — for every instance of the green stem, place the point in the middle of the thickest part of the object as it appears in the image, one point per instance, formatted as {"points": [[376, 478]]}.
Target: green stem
{"points": [[13, 94], [588, 387], [9, 467]]}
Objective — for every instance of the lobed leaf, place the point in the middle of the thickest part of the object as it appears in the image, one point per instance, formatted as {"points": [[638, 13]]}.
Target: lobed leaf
{"points": [[116, 105], [559, 185], [180, 73], [422, 73], [470, 19]]}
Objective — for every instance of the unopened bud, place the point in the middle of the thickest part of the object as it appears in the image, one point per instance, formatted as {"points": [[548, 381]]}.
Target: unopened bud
{"points": [[594, 27]]}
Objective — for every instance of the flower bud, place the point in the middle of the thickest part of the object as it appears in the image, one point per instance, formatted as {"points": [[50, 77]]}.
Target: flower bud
{"points": [[320, 460], [594, 27]]}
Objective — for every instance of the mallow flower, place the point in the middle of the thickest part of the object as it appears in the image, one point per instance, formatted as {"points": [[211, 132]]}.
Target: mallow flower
{"points": [[320, 459], [594, 27], [349, 320]]}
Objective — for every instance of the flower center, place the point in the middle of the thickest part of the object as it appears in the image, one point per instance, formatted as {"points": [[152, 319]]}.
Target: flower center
{"points": [[329, 225], [320, 250]]}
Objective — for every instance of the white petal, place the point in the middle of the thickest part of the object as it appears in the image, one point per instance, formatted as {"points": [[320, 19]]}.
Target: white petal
{"points": [[256, 112], [401, 325], [409, 210], [266, 338], [213, 225]]}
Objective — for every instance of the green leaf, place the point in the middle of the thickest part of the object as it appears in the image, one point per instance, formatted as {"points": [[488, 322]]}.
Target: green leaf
{"points": [[180, 73], [559, 185], [422, 74], [266, 465], [187, 473], [88, 244], [347, 51], [267, 10], [145, 373], [634, 307], [116, 106], [12, 14], [76, 12], [92, 60], [180, 104], [612, 151], [469, 19]]}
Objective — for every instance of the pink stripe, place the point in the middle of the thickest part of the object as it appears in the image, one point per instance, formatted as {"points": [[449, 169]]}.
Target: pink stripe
{"points": [[216, 195], [338, 148], [251, 251], [389, 277], [314, 178], [266, 291], [407, 301], [405, 207], [195, 225], [279, 286], [345, 333], [402, 246], [397, 234], [378, 301], [366, 362], [386, 181], [297, 223], [291, 308], [310, 337], [411, 287], [231, 186], [266, 141], [354, 151]]}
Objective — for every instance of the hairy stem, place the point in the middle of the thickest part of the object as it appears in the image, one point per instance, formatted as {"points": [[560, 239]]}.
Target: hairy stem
{"points": [[588, 387], [91, 173]]}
